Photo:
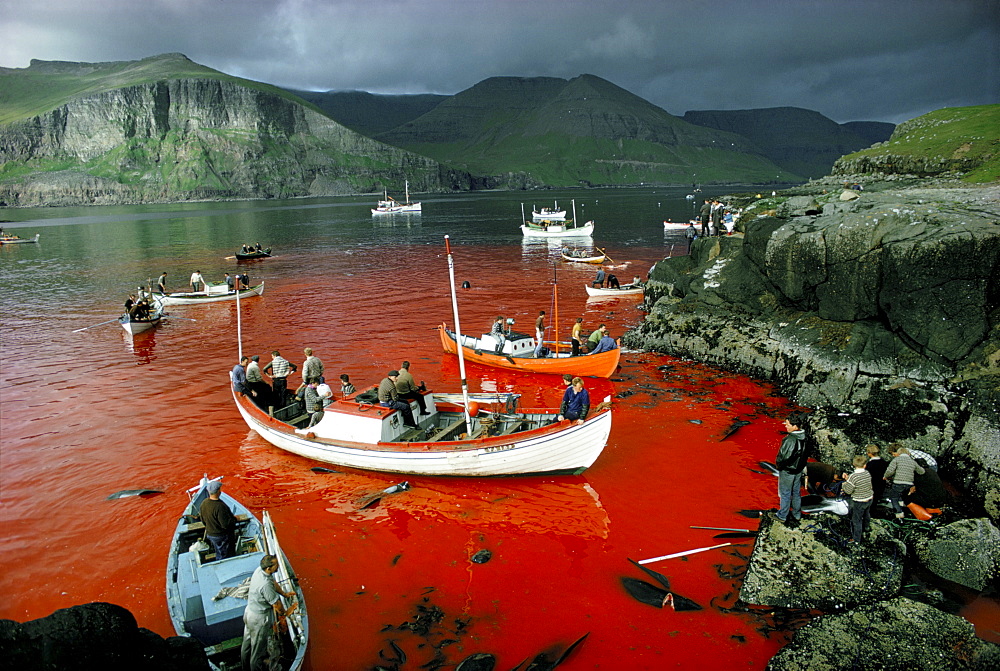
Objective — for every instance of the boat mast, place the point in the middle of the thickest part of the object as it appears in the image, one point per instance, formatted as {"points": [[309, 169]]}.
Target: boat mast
{"points": [[458, 332], [555, 299], [239, 326], [522, 213], [574, 212]]}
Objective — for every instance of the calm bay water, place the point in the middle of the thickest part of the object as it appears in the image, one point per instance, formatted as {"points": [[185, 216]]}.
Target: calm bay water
{"points": [[87, 414]]}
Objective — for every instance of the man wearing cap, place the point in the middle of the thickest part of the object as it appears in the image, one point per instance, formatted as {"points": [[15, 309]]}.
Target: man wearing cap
{"points": [[255, 380], [263, 605], [388, 397], [219, 521]]}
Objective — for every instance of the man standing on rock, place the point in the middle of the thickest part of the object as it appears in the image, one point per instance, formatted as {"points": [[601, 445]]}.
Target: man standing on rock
{"points": [[791, 463], [703, 214]]}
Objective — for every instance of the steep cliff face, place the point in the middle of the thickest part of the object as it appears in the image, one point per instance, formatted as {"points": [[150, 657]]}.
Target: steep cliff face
{"points": [[881, 313], [197, 138]]}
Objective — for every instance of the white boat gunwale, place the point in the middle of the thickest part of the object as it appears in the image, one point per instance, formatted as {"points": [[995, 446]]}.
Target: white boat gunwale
{"points": [[199, 297]]}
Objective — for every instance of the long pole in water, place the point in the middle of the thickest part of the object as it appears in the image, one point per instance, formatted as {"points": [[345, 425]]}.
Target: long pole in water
{"points": [[458, 331], [681, 554]]}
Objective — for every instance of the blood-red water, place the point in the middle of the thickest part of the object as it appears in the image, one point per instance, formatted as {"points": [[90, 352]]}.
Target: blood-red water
{"points": [[88, 414]]}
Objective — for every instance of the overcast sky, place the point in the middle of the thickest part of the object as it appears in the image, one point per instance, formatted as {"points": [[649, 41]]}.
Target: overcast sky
{"points": [[881, 60]]}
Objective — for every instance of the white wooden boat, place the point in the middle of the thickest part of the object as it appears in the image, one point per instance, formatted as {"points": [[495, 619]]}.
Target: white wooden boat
{"points": [[550, 213], [555, 228], [203, 595], [15, 240], [680, 225], [580, 256], [623, 290], [359, 433], [214, 293], [391, 206], [133, 326]]}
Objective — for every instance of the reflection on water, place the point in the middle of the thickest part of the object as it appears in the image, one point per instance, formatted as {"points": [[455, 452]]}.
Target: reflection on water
{"points": [[142, 345]]}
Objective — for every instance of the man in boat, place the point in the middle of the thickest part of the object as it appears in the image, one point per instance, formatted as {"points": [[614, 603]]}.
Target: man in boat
{"points": [[407, 388], [261, 391], [309, 394], [595, 338], [613, 282], [230, 282], [312, 367], [259, 617], [497, 331], [161, 283], [576, 339], [129, 302], [605, 344], [599, 280], [243, 280], [388, 397], [197, 281], [346, 386], [239, 375], [279, 369], [575, 402], [540, 334], [219, 521]]}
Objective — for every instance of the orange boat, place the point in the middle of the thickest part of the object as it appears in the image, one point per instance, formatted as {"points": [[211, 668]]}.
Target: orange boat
{"points": [[517, 353]]}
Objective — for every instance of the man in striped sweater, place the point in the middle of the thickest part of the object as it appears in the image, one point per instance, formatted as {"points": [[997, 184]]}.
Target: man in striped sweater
{"points": [[900, 476], [858, 485]]}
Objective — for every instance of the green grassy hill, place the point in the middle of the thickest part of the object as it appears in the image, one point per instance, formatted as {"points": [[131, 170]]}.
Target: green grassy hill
{"points": [[45, 85], [962, 140], [584, 131]]}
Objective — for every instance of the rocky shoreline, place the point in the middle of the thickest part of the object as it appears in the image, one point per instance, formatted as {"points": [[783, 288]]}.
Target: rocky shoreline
{"points": [[879, 310]]}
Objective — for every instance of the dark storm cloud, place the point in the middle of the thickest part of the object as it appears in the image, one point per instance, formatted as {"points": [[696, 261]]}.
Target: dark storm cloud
{"points": [[848, 59]]}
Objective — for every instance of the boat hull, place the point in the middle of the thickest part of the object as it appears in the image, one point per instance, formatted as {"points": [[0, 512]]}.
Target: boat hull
{"points": [[398, 209], [559, 447], [585, 259], [134, 326], [603, 364], [199, 297], [558, 231], [18, 241], [193, 583], [265, 254], [625, 290]]}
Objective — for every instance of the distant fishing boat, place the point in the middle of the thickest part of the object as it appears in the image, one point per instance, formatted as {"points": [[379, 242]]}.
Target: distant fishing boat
{"points": [[581, 256], [214, 292], [391, 206], [678, 225], [135, 324], [17, 240], [204, 593], [253, 254], [556, 229], [550, 213], [623, 290]]}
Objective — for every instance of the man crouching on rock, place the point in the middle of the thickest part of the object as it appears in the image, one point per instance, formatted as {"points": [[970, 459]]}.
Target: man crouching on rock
{"points": [[791, 463]]}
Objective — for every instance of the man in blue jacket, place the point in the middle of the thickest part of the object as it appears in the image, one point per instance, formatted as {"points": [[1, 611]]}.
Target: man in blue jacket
{"points": [[791, 463]]}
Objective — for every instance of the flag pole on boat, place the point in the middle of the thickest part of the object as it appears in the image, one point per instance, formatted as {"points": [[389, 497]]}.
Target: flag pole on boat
{"points": [[458, 331]]}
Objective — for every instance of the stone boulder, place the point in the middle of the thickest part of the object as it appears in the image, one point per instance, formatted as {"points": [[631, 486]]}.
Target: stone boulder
{"points": [[966, 552], [896, 635], [94, 636], [881, 314], [813, 566]]}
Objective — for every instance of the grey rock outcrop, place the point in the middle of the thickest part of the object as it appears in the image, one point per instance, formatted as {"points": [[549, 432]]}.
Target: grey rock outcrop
{"points": [[94, 636], [896, 635], [800, 568], [882, 313], [191, 139], [966, 552]]}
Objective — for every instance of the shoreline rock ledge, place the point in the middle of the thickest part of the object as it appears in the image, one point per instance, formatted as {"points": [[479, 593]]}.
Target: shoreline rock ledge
{"points": [[880, 313]]}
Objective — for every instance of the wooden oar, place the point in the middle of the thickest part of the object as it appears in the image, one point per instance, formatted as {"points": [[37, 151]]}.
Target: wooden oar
{"points": [[681, 554], [96, 325], [605, 255], [724, 529], [228, 258]]}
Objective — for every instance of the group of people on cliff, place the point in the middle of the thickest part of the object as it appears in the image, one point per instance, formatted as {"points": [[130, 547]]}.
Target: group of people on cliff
{"points": [[908, 481]]}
